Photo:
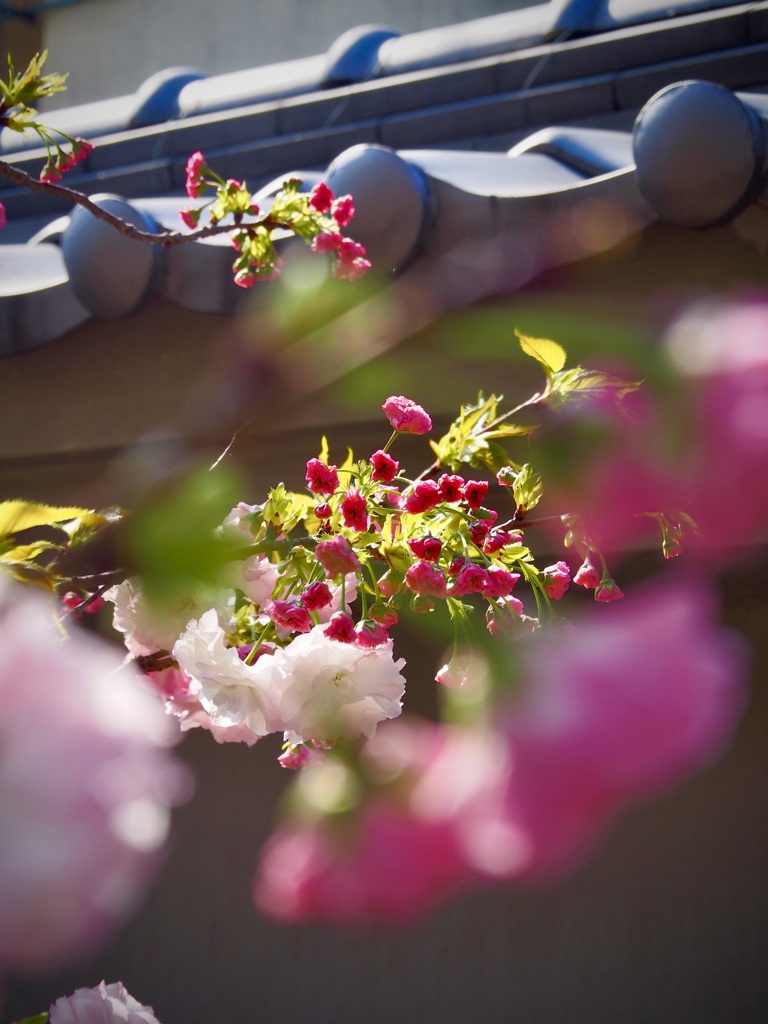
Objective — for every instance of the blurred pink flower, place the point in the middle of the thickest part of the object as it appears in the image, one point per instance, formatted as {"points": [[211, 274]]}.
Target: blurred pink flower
{"points": [[603, 717], [86, 781], [722, 353], [632, 700], [102, 1005]]}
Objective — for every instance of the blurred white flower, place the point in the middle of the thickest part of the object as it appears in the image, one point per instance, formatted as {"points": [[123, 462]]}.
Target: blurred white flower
{"points": [[101, 1005]]}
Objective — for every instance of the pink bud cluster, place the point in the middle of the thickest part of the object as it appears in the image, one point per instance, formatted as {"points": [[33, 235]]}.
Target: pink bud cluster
{"points": [[60, 162], [450, 547], [350, 262]]}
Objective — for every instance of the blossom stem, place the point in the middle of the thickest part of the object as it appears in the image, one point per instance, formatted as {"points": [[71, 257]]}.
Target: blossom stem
{"points": [[257, 644], [166, 239], [390, 442]]}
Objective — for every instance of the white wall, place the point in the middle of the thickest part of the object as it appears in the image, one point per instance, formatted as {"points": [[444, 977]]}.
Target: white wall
{"points": [[111, 46]]}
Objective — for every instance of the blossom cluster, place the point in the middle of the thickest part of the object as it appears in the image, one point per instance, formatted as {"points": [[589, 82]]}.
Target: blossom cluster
{"points": [[318, 217], [297, 639], [556, 724]]}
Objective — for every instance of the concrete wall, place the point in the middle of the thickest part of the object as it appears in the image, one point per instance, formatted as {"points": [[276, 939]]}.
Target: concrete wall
{"points": [[111, 46]]}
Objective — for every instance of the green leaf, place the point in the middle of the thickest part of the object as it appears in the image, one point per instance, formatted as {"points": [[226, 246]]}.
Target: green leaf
{"points": [[285, 509], [458, 611], [510, 430], [466, 441], [24, 554], [578, 382], [175, 541], [527, 489], [551, 355], [39, 1018], [325, 453], [19, 515]]}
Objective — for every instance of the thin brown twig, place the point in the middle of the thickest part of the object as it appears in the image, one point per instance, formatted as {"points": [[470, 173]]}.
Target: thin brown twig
{"points": [[167, 239]]}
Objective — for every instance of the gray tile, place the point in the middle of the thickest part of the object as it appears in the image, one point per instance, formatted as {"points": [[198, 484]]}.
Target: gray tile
{"points": [[444, 124], [645, 45], [571, 99], [737, 68]]}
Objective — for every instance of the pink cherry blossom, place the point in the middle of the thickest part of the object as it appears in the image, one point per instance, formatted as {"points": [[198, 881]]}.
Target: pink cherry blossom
{"points": [[341, 626], [607, 591], [177, 690], [51, 172], [426, 580], [385, 468], [337, 557], [500, 582], [406, 416], [478, 531], [354, 511], [556, 579], [451, 487], [190, 217], [86, 781], [3, 217], [471, 579], [299, 755], [503, 615], [399, 866], [326, 241], [104, 1004], [316, 595], [196, 167], [424, 496], [320, 198], [428, 548], [587, 575], [474, 492], [258, 577], [245, 278], [371, 633], [321, 479], [343, 210], [351, 262], [290, 615]]}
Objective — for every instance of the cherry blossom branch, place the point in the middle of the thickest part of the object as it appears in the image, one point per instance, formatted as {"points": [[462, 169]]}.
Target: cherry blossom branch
{"points": [[167, 239]]}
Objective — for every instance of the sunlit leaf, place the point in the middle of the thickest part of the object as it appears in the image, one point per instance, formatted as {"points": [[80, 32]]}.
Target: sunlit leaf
{"points": [[18, 515], [581, 383], [26, 553], [527, 489], [551, 355]]}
